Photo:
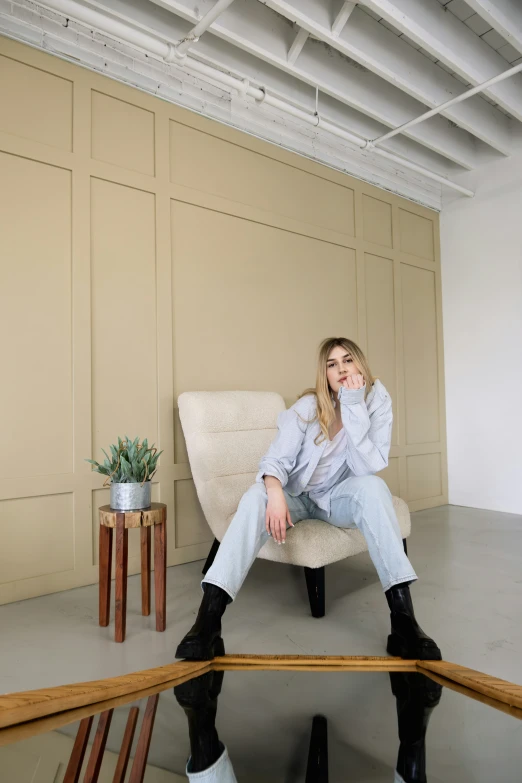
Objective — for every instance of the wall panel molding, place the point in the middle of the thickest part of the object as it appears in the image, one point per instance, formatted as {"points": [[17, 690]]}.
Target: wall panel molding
{"points": [[186, 255]]}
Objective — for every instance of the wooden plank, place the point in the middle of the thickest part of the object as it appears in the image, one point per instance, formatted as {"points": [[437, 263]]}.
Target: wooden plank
{"points": [[105, 568], [31, 705], [145, 571], [122, 560], [98, 748], [406, 666], [160, 573], [74, 767], [16, 708], [494, 688], [126, 746], [139, 765], [454, 686], [314, 660]]}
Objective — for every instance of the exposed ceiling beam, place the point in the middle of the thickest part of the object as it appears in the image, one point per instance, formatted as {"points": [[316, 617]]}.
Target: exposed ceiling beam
{"points": [[505, 16], [297, 46], [443, 35], [215, 50], [162, 49], [252, 27], [393, 59], [465, 96], [342, 17], [202, 26]]}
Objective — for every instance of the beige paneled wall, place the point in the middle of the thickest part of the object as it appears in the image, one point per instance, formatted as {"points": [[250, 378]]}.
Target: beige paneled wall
{"points": [[147, 251]]}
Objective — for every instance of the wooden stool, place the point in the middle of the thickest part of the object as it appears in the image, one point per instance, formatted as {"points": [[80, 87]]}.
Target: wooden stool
{"points": [[155, 516]]}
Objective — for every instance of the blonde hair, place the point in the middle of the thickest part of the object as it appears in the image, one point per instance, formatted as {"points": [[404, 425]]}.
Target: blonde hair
{"points": [[325, 412]]}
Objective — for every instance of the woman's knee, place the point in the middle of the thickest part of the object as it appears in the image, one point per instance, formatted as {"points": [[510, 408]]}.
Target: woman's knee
{"points": [[370, 485], [255, 496]]}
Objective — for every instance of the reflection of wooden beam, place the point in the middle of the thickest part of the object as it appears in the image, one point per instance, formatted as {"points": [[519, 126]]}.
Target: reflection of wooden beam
{"points": [[20, 731], [363, 662], [74, 767], [126, 745], [453, 686], [81, 700], [30, 705], [98, 747], [142, 751], [501, 690]]}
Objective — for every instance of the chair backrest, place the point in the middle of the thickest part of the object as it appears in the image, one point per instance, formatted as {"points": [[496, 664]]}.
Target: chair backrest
{"points": [[226, 433]]}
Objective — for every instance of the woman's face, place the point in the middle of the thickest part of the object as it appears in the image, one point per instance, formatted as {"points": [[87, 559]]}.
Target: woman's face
{"points": [[339, 365]]}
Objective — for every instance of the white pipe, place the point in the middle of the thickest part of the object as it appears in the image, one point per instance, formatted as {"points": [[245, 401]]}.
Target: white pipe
{"points": [[459, 98], [167, 52], [203, 25], [314, 119]]}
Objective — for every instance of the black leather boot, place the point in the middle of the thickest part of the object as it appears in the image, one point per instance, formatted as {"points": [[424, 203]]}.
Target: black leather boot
{"points": [[198, 698], [407, 639], [416, 696], [204, 641]]}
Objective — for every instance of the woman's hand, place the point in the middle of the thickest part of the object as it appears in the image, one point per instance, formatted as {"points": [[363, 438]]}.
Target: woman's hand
{"points": [[353, 382], [277, 516]]}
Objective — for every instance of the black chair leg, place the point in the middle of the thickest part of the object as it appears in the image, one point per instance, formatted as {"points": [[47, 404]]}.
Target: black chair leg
{"points": [[211, 555], [315, 584], [317, 767], [405, 545]]}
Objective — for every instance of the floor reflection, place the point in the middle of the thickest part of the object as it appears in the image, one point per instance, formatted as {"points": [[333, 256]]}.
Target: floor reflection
{"points": [[275, 723], [210, 762]]}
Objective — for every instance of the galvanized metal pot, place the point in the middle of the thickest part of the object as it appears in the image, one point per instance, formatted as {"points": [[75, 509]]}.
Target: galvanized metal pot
{"points": [[130, 497]]}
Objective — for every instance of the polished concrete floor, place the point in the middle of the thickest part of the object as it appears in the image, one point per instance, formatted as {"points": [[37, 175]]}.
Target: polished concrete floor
{"points": [[469, 597]]}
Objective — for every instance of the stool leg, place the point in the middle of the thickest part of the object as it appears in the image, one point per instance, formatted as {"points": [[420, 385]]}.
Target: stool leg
{"points": [[160, 573], [122, 535], [105, 566], [145, 571]]}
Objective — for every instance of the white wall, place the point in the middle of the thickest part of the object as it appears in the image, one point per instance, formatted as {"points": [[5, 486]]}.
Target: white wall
{"points": [[481, 258]]}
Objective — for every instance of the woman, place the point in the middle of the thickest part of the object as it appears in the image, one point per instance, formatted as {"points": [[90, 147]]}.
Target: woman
{"points": [[320, 466]]}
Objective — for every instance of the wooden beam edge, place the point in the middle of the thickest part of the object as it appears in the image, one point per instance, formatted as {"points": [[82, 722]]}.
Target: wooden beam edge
{"points": [[475, 695], [499, 690], [22, 707], [31, 728], [313, 660], [30, 705]]}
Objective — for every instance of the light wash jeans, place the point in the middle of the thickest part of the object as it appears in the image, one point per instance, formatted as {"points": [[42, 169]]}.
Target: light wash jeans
{"points": [[362, 502]]}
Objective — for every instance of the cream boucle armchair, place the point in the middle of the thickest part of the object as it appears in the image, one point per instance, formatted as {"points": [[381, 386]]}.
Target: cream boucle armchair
{"points": [[227, 433]]}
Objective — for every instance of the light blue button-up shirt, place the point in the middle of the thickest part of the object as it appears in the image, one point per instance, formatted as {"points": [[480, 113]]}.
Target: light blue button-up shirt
{"points": [[293, 456]]}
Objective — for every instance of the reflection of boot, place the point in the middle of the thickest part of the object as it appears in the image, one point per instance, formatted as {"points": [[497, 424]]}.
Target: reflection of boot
{"points": [[407, 638], [317, 768], [204, 641], [198, 698], [416, 696]]}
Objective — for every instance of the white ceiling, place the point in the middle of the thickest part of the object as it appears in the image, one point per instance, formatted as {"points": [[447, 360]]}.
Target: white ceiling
{"points": [[371, 66]]}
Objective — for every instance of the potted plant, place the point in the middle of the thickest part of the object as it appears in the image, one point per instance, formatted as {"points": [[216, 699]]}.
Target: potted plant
{"points": [[129, 471]]}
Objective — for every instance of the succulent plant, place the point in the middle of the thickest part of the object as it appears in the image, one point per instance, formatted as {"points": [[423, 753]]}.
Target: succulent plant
{"points": [[131, 462]]}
